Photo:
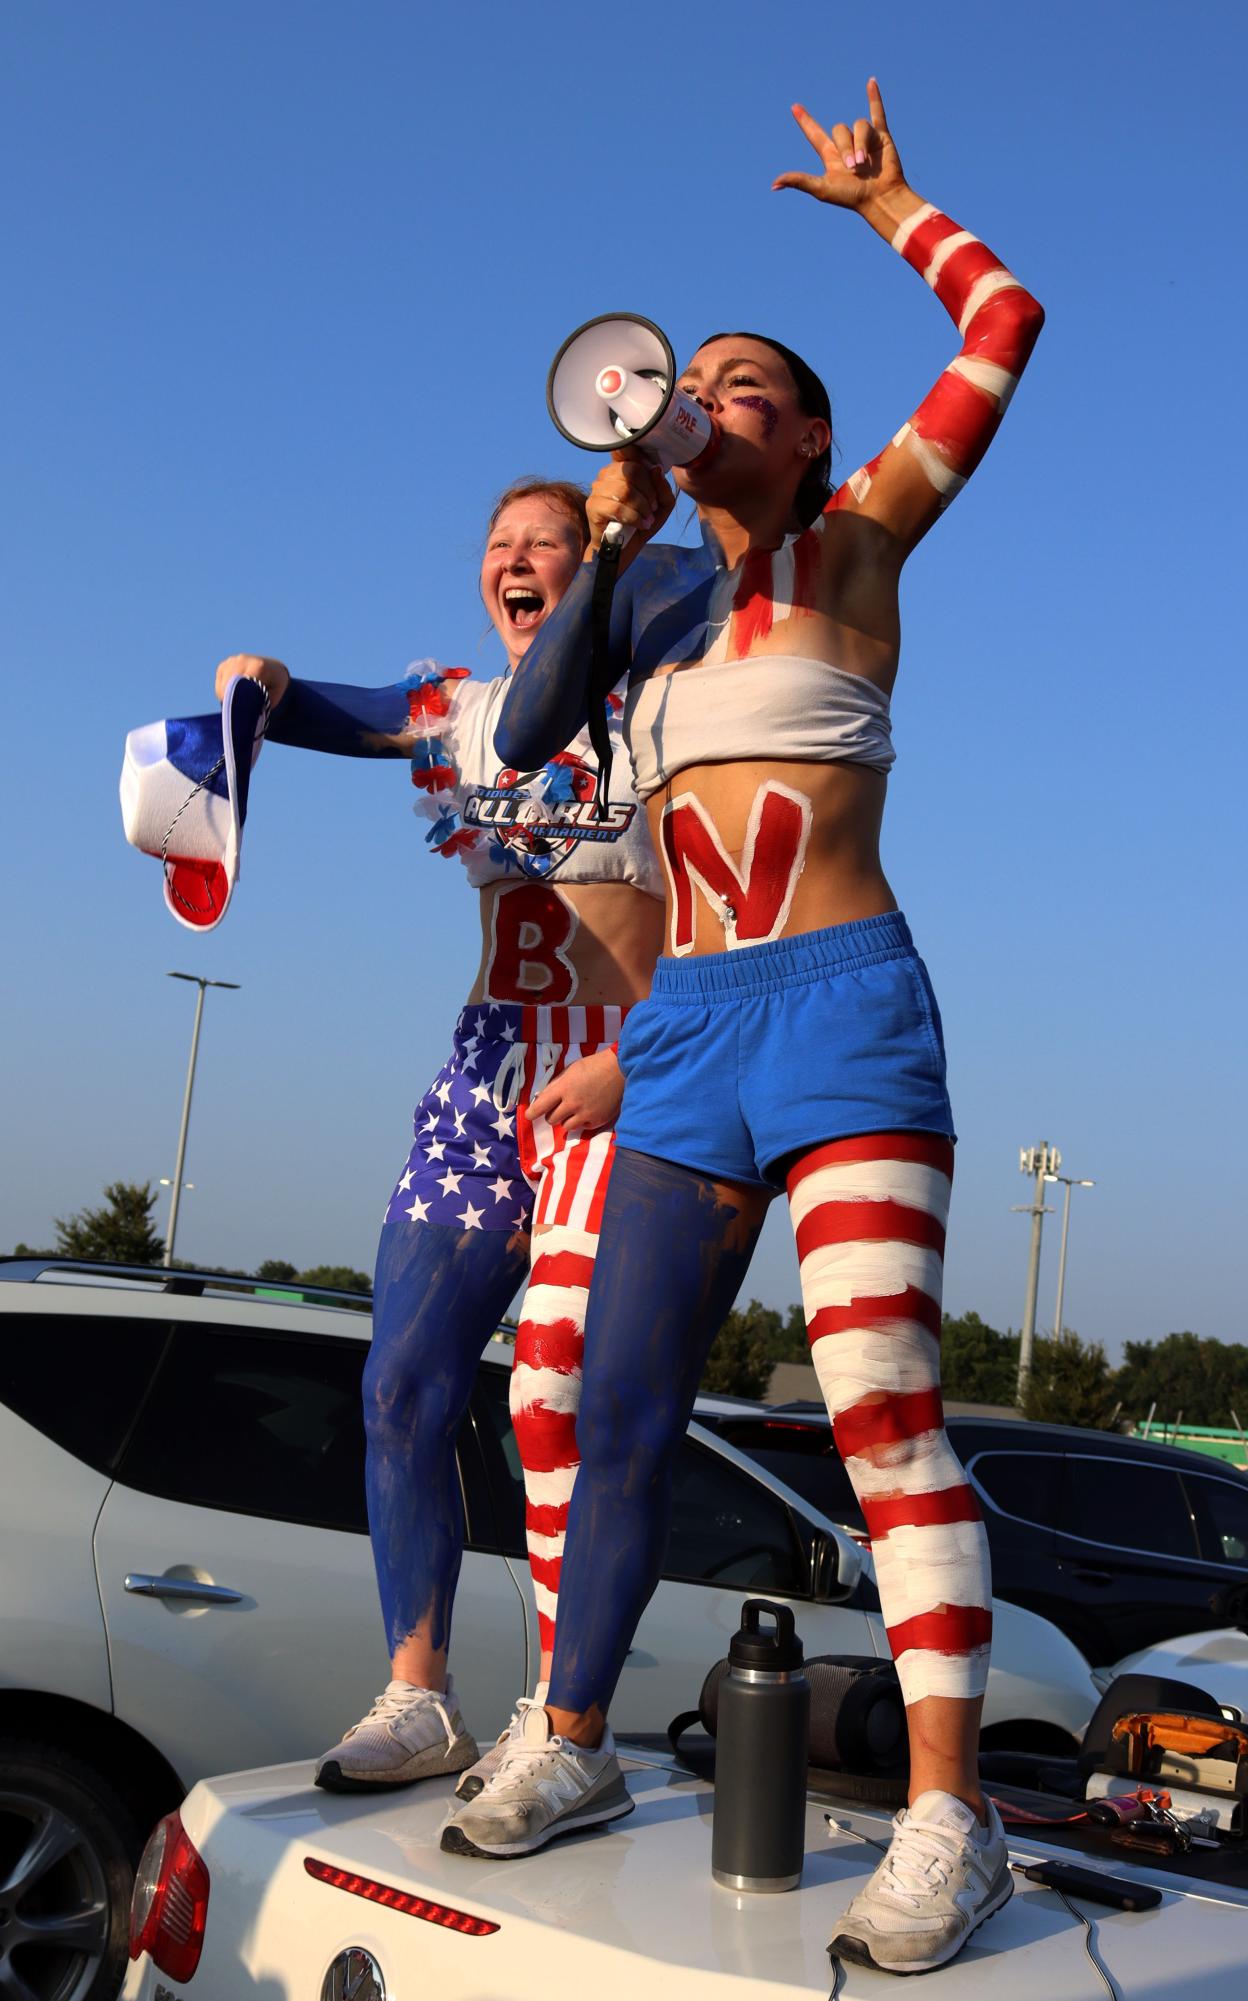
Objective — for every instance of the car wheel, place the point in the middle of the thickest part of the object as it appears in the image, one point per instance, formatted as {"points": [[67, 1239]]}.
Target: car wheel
{"points": [[68, 1847]]}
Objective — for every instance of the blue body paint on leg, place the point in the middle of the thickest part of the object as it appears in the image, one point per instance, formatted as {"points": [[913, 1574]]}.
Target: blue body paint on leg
{"points": [[439, 1295], [671, 1260]]}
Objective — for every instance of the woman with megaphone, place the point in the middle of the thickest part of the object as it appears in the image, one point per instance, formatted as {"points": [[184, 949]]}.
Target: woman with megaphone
{"points": [[791, 1042], [512, 1141]]}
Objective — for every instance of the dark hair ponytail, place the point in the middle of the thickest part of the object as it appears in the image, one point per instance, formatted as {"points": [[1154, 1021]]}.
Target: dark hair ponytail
{"points": [[815, 486]]}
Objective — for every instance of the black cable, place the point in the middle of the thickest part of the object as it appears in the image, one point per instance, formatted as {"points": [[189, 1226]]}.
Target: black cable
{"points": [[1089, 1944], [838, 1977]]}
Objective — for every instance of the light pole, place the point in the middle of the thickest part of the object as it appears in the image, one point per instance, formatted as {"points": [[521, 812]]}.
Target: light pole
{"points": [[1039, 1161], [1061, 1260], [196, 980]]}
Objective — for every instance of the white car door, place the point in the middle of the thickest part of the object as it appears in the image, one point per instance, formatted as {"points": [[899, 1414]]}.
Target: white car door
{"points": [[732, 1538], [235, 1569]]}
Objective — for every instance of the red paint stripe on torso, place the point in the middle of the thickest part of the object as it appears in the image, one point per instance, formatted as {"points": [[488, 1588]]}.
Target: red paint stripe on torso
{"points": [[927, 1149]]}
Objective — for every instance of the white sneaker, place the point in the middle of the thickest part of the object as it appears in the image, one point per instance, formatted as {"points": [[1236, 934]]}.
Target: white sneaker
{"points": [[478, 1775], [544, 1787], [942, 1876], [409, 1733]]}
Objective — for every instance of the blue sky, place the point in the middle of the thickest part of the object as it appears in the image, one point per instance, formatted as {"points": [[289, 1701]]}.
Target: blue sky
{"points": [[284, 283]]}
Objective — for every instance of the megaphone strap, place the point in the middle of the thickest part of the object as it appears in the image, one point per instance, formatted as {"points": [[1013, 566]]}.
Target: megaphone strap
{"points": [[602, 676]]}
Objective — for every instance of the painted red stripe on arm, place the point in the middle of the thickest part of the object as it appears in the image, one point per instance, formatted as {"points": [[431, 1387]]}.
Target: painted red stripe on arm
{"points": [[891, 1420], [870, 1221], [545, 1570], [950, 1629], [920, 1511], [924, 1149], [881, 1314]]}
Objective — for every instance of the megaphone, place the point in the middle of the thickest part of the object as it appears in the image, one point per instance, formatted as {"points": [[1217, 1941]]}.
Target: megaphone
{"points": [[613, 383]]}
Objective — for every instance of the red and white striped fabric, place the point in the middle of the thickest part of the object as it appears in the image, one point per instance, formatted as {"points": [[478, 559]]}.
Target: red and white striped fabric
{"points": [[569, 1170], [869, 1217]]}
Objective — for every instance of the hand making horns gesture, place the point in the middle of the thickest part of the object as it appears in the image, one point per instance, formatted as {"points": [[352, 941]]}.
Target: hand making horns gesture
{"points": [[857, 165]]}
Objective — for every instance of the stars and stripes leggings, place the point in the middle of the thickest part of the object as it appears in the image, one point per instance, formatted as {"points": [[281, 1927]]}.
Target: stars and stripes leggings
{"points": [[869, 1218], [444, 1279]]}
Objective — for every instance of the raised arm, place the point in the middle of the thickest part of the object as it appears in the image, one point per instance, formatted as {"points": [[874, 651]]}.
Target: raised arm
{"points": [[935, 452]]}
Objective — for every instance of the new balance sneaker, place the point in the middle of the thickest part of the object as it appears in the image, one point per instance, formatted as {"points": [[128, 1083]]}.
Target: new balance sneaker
{"points": [[409, 1733], [544, 1787], [942, 1876], [488, 1763]]}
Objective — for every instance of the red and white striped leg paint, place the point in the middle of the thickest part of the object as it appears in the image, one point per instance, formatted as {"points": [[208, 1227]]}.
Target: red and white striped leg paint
{"points": [[546, 1374], [869, 1217]]}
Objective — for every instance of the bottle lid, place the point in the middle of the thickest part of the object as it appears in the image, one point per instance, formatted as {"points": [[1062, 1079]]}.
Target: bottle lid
{"points": [[774, 1651]]}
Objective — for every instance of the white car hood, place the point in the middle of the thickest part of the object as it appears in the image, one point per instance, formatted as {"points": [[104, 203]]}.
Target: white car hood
{"points": [[634, 1911], [1216, 1662]]}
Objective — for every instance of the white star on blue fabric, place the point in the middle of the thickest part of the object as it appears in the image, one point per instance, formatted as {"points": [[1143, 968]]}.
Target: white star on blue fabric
{"points": [[471, 1218], [431, 1123], [419, 1211], [503, 1126], [435, 1149], [459, 1124], [499, 1188], [509, 1031], [480, 1094], [480, 1155], [443, 1092], [449, 1182], [405, 1182]]}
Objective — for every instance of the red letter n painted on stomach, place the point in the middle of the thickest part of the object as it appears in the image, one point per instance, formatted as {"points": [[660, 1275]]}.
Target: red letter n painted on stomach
{"points": [[530, 926], [752, 904]]}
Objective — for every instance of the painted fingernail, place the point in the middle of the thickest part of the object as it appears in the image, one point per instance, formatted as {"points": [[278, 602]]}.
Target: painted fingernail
{"points": [[849, 161], [860, 157]]}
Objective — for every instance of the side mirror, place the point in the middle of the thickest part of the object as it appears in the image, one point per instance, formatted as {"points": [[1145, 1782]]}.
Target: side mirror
{"points": [[832, 1576]]}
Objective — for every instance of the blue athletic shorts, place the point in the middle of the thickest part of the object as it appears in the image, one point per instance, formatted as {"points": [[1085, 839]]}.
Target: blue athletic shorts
{"points": [[740, 1058]]}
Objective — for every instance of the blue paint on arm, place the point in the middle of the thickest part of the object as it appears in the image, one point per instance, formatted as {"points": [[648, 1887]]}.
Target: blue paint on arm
{"points": [[343, 720]]}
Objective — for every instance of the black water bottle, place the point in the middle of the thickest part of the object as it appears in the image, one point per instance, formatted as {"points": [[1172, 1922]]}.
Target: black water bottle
{"points": [[760, 1757]]}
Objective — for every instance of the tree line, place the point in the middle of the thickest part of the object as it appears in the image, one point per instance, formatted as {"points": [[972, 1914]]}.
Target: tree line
{"points": [[1071, 1382], [1203, 1380], [123, 1232]]}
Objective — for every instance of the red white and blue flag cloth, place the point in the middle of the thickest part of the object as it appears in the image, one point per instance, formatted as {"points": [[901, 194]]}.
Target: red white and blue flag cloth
{"points": [[478, 1161], [184, 787]]}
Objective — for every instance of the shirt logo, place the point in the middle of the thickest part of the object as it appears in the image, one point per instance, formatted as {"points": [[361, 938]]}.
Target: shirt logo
{"points": [[538, 819]]}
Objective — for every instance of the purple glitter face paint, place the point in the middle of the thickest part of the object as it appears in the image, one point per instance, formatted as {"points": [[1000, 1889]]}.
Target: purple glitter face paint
{"points": [[766, 410]]}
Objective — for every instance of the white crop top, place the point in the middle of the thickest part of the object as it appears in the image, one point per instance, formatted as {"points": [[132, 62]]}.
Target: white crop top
{"points": [[504, 824], [775, 705]]}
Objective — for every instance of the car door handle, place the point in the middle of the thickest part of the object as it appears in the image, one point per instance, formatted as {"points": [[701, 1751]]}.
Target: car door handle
{"points": [[1093, 1576], [185, 1588]]}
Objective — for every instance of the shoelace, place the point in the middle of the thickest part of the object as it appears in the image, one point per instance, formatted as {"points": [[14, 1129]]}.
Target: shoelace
{"points": [[918, 1854], [390, 1707], [523, 1761]]}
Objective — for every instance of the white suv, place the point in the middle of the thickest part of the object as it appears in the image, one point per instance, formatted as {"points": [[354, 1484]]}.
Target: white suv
{"points": [[186, 1584]]}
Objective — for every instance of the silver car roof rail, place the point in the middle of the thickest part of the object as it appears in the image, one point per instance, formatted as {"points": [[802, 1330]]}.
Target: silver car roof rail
{"points": [[192, 1284]]}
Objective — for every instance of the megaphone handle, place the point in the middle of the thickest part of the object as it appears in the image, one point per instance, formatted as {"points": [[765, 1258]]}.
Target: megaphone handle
{"points": [[615, 535]]}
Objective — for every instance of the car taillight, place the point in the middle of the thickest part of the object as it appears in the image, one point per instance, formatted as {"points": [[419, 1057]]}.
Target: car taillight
{"points": [[169, 1909]]}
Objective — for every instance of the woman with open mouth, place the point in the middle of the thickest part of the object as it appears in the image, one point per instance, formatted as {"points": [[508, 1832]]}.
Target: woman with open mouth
{"points": [[512, 1148], [791, 1042]]}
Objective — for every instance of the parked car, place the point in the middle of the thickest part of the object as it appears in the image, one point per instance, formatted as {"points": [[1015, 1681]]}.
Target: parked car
{"points": [[1122, 1542], [188, 1586], [268, 1889]]}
